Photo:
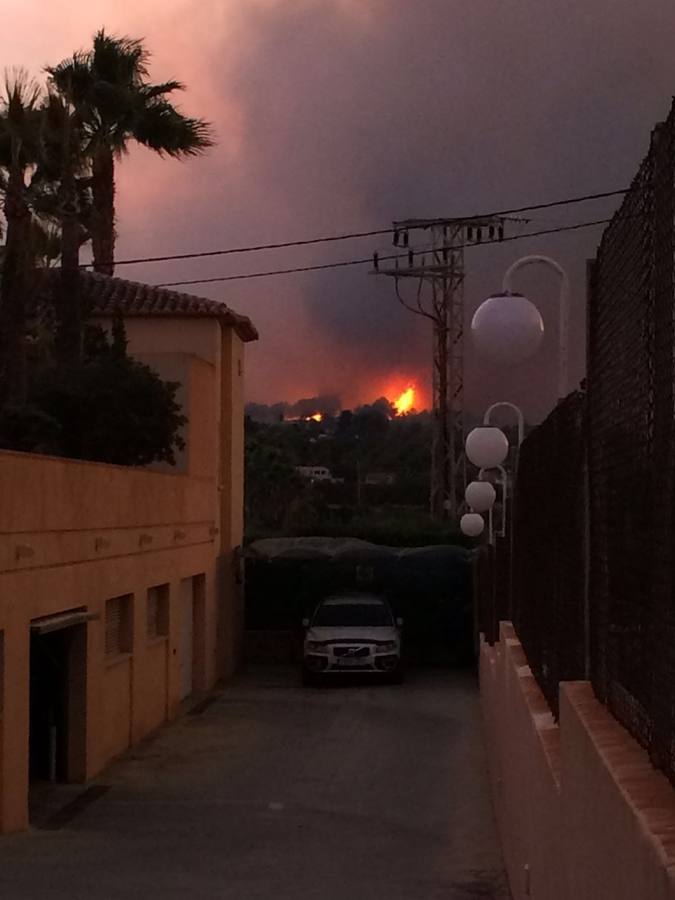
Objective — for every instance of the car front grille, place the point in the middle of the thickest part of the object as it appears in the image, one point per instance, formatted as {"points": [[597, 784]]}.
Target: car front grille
{"points": [[351, 651]]}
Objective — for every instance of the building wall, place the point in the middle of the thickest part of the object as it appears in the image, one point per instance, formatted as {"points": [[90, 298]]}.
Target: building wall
{"points": [[75, 534], [581, 812], [231, 486]]}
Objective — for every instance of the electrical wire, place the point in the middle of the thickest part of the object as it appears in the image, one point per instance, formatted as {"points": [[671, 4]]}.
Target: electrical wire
{"points": [[284, 245], [537, 206], [364, 261]]}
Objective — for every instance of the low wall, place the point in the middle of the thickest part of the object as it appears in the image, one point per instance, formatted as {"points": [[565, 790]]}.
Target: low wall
{"points": [[581, 812]]}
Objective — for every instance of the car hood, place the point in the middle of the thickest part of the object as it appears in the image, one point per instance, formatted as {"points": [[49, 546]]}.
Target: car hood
{"points": [[336, 633]]}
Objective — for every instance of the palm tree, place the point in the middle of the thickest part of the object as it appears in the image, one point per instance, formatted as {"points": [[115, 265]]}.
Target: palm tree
{"points": [[20, 130], [116, 105], [61, 178]]}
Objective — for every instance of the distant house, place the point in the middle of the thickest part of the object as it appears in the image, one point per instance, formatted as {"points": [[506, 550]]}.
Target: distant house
{"points": [[380, 478], [316, 473], [120, 596]]}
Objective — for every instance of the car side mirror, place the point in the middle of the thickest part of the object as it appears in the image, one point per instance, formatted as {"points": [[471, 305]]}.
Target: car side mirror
{"points": [[305, 623], [399, 622]]}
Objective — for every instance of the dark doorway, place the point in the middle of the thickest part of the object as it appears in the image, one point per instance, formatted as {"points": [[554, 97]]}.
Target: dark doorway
{"points": [[57, 705]]}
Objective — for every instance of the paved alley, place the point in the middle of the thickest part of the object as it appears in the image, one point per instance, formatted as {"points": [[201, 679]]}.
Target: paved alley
{"points": [[275, 791]]}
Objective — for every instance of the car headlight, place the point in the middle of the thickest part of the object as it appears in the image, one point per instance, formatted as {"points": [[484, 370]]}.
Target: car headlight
{"points": [[387, 648], [315, 647]]}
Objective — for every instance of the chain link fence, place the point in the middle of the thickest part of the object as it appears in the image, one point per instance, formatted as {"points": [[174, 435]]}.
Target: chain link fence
{"points": [[594, 542], [632, 454], [549, 587]]}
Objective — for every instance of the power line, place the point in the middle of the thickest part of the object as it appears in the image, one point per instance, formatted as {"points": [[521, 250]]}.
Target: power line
{"points": [[420, 223], [354, 235], [366, 260]]}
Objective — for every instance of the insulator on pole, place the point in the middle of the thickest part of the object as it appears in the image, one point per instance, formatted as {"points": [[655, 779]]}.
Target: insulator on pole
{"points": [[445, 254], [479, 235], [500, 232], [396, 237], [491, 232], [406, 238], [469, 233], [376, 262], [410, 258]]}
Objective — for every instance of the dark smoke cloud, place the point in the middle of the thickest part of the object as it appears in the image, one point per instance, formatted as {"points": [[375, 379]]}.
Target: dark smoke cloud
{"points": [[336, 114], [419, 111]]}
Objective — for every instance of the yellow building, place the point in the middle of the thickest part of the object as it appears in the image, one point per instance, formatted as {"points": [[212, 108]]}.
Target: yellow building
{"points": [[119, 587]]}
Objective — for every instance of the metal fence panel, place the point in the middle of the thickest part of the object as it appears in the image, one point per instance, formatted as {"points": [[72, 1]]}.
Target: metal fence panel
{"points": [[594, 537], [549, 546], [631, 374]]}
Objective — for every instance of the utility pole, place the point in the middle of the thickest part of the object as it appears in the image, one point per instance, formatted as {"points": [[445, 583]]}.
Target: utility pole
{"points": [[437, 268]]}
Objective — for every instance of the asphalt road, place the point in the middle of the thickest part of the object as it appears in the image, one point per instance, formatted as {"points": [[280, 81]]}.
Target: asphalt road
{"points": [[274, 792]]}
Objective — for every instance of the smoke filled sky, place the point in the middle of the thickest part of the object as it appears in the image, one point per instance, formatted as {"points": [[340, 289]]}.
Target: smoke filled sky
{"points": [[336, 115]]}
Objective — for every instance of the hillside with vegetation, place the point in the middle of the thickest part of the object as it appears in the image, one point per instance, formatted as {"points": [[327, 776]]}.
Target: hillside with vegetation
{"points": [[378, 489]]}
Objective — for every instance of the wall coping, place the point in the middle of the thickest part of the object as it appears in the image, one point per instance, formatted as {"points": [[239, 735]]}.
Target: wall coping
{"points": [[544, 725], [67, 460], [646, 791]]}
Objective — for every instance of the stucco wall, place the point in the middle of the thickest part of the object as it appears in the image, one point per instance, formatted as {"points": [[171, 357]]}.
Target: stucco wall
{"points": [[73, 535], [581, 812]]}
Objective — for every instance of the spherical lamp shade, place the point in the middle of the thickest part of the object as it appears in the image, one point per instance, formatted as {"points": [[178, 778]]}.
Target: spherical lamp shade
{"points": [[472, 525], [480, 495], [487, 447], [507, 328]]}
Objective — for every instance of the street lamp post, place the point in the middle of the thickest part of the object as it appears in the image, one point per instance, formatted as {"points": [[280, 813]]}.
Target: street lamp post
{"points": [[504, 482], [487, 448], [564, 312], [512, 406], [508, 328]]}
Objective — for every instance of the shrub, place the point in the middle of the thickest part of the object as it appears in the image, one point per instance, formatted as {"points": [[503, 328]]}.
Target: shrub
{"points": [[106, 408]]}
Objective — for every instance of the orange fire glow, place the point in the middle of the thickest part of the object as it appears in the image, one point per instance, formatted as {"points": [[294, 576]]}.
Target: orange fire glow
{"points": [[406, 401], [317, 417]]}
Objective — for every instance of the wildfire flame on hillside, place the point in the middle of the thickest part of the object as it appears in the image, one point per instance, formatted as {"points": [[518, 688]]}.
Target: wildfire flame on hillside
{"points": [[406, 401]]}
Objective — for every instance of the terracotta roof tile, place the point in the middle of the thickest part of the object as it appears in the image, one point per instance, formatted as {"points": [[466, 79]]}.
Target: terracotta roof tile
{"points": [[105, 296]]}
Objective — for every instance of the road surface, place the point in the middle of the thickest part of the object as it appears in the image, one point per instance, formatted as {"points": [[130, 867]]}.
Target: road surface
{"points": [[275, 792]]}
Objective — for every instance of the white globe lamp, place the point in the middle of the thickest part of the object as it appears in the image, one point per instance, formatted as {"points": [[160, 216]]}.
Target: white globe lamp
{"points": [[480, 496], [472, 525], [507, 328], [487, 447]]}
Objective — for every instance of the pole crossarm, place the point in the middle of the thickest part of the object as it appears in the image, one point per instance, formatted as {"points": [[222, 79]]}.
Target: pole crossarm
{"points": [[438, 269]]}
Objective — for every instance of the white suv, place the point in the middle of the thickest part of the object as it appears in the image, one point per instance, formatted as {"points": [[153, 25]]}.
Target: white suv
{"points": [[352, 633]]}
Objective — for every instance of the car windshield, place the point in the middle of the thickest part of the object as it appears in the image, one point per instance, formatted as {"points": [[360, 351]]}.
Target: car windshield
{"points": [[352, 615]]}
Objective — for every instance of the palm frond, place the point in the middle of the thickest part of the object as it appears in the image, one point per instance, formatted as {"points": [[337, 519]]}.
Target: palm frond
{"points": [[119, 59], [45, 241], [150, 91], [72, 77], [62, 142], [162, 128], [19, 120]]}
